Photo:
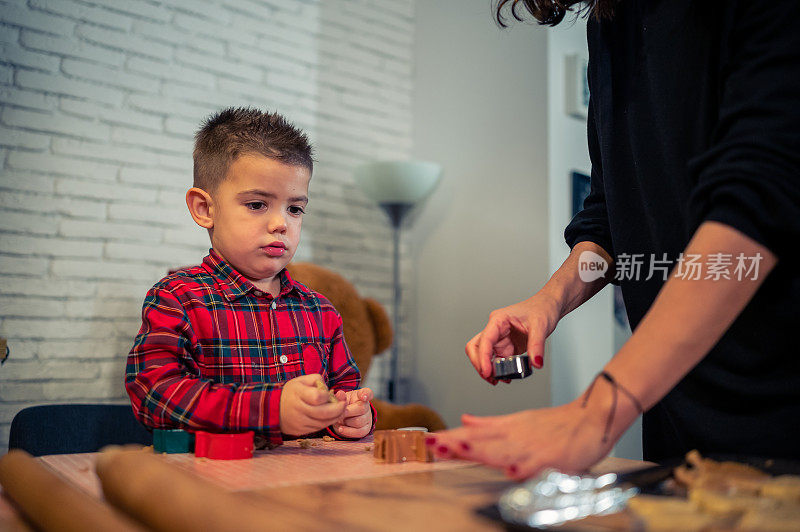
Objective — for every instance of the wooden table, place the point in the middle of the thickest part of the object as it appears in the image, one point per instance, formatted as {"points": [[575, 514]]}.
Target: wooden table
{"points": [[439, 500], [429, 500]]}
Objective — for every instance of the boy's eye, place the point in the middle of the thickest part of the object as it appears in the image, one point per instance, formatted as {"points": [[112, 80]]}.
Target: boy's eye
{"points": [[296, 209], [255, 205]]}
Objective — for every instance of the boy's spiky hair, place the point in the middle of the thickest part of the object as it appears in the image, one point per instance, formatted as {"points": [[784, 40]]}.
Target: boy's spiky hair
{"points": [[233, 132]]}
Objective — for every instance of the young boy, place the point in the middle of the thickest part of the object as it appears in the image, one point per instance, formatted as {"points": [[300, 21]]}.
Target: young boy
{"points": [[235, 344]]}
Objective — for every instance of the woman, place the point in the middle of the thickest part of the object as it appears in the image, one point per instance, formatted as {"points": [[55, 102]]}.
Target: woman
{"points": [[694, 138]]}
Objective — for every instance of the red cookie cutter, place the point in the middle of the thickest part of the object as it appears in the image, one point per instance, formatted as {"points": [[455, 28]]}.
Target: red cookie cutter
{"points": [[224, 446]]}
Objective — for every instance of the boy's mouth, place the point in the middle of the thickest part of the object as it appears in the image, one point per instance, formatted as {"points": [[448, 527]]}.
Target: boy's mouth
{"points": [[275, 249]]}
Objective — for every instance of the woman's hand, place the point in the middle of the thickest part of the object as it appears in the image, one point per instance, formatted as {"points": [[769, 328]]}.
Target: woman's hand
{"points": [[568, 438], [514, 330]]}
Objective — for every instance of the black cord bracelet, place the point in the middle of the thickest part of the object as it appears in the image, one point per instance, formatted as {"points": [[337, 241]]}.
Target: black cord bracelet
{"points": [[617, 387]]}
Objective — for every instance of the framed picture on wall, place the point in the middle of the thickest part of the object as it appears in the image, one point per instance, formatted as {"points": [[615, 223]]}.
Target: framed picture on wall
{"points": [[580, 189], [576, 86]]}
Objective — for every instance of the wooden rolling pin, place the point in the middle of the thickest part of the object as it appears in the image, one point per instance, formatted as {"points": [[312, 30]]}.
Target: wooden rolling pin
{"points": [[50, 503], [166, 498]]}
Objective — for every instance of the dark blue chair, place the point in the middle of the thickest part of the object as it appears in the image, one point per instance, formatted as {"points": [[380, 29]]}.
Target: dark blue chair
{"points": [[64, 429]]}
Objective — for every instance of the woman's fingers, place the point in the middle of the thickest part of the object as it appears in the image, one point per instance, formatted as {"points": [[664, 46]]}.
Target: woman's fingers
{"points": [[460, 441], [540, 329], [495, 329], [494, 451], [505, 347], [470, 420], [526, 467], [444, 444], [471, 349], [536, 349]]}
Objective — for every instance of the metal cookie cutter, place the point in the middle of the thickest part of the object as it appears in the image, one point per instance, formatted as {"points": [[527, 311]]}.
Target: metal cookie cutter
{"points": [[513, 367]]}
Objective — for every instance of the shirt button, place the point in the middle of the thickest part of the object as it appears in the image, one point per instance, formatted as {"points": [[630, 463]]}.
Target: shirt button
{"points": [[274, 305], [258, 293], [283, 359]]}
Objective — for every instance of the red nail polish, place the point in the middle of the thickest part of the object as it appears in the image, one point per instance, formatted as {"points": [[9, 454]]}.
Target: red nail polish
{"points": [[430, 440], [538, 361], [442, 449], [465, 446]]}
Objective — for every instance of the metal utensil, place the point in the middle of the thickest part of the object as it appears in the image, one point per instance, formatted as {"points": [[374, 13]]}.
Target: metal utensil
{"points": [[513, 367], [554, 498]]}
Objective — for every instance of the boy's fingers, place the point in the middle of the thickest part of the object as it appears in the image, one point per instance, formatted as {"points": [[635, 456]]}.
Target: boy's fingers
{"points": [[310, 380], [357, 421], [365, 394], [328, 412], [313, 396], [356, 409], [350, 432], [341, 395]]}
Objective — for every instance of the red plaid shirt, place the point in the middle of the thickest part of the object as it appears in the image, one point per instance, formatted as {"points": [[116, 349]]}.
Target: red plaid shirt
{"points": [[213, 351]]}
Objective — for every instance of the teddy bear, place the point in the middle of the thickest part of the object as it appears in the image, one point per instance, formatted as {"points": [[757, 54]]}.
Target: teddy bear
{"points": [[368, 332]]}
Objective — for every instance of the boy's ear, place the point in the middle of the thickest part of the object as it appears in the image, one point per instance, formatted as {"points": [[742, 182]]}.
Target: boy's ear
{"points": [[201, 207]]}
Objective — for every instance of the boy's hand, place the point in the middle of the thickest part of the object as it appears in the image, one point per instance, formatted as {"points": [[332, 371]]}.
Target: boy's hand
{"points": [[305, 408], [357, 420]]}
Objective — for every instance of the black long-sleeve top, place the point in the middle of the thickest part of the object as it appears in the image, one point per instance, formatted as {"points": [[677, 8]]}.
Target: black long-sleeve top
{"points": [[695, 116]]}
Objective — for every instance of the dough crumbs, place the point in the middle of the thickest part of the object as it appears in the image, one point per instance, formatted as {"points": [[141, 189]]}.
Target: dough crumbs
{"points": [[331, 395], [328, 438]]}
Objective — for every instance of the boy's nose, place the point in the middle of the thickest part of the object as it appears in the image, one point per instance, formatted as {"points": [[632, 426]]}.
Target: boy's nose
{"points": [[277, 224]]}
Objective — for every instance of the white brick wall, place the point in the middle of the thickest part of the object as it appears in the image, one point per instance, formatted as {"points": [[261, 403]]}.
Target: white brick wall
{"points": [[98, 104]]}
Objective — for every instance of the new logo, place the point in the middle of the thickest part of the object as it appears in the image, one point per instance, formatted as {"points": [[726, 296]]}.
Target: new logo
{"points": [[591, 266]]}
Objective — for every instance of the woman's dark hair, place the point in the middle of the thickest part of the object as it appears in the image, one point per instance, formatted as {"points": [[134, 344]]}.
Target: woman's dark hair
{"points": [[551, 12]]}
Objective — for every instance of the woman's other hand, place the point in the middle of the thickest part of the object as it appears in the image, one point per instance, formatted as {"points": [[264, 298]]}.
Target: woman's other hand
{"points": [[568, 438]]}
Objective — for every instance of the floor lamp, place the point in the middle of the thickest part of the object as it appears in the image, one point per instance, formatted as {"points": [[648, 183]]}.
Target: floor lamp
{"points": [[397, 186]]}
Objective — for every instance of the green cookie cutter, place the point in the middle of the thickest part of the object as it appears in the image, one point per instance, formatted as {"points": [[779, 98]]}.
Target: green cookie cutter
{"points": [[173, 441]]}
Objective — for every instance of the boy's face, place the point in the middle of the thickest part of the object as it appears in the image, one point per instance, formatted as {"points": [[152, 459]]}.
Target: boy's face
{"points": [[257, 214]]}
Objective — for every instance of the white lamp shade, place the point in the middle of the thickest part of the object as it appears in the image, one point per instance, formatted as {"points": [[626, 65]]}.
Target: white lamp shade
{"points": [[404, 182]]}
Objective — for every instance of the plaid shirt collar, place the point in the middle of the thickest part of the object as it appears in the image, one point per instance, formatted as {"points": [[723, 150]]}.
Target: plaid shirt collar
{"points": [[233, 285]]}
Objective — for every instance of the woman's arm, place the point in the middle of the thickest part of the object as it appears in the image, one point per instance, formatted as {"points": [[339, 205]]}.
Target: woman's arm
{"points": [[566, 285], [683, 324], [688, 317], [526, 325]]}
